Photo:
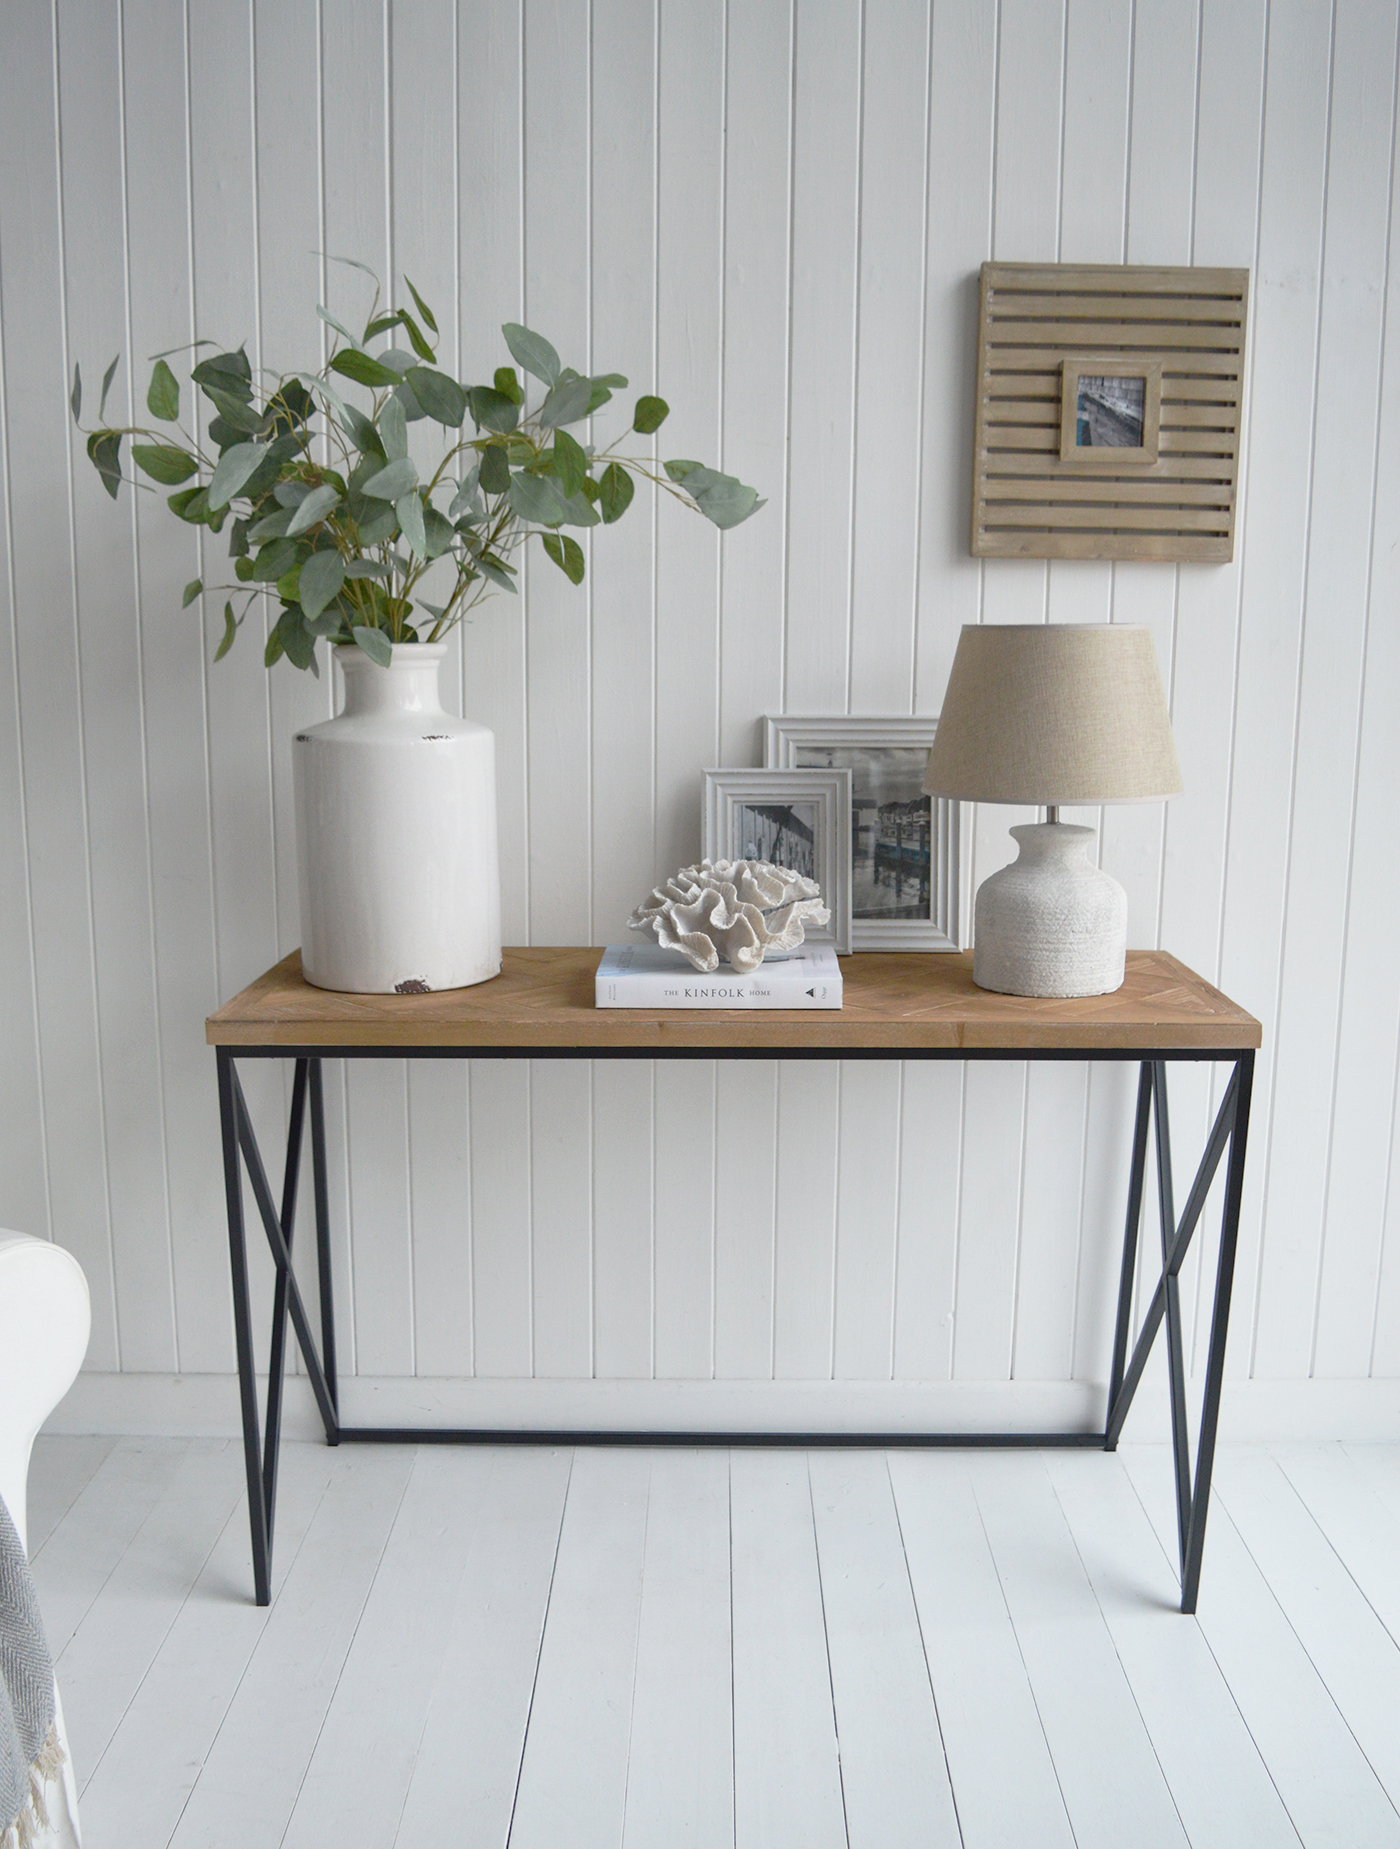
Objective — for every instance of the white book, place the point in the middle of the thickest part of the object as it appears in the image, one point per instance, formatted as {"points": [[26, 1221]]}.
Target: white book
{"points": [[646, 976]]}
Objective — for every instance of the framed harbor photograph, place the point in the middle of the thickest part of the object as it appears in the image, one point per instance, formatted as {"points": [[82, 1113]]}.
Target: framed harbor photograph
{"points": [[1110, 410], [903, 845], [799, 819]]}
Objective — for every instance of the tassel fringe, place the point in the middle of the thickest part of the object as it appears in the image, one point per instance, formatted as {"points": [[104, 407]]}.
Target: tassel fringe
{"points": [[33, 1818]]}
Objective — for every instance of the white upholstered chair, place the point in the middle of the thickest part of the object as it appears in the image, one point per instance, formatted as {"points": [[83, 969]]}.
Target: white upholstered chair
{"points": [[44, 1322]]}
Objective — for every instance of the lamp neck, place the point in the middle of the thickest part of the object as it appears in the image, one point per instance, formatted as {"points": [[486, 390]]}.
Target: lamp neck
{"points": [[1052, 812]]}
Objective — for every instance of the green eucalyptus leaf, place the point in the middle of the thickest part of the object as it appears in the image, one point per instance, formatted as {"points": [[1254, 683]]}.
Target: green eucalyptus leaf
{"points": [[235, 411], [107, 379], [75, 401], [393, 431], [230, 631], [494, 470], [567, 555], [468, 496], [163, 394], [422, 307], [597, 397], [235, 468], [275, 559], [394, 480], [243, 570], [378, 526], [615, 492], [380, 325], [409, 508], [532, 351], [367, 568], [289, 584], [298, 644], [651, 413], [290, 405], [492, 410], [415, 338], [570, 463], [190, 504], [507, 382], [537, 498], [438, 533], [566, 403], [339, 326], [409, 404], [238, 540], [613, 380], [375, 644], [497, 571], [163, 462], [722, 499], [104, 448], [321, 578], [362, 369], [272, 653], [192, 590], [231, 371], [441, 398], [680, 468], [398, 359], [578, 511], [223, 435], [363, 434], [314, 509], [291, 493]]}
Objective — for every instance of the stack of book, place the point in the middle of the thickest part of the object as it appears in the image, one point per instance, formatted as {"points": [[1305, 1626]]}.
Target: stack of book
{"points": [[645, 976]]}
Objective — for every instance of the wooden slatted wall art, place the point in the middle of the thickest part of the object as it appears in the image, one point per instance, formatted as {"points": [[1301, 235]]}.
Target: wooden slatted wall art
{"points": [[1045, 325]]}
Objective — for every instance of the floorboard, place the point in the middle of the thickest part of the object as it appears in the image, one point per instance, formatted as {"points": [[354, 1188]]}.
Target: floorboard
{"points": [[513, 1649], [1330, 1791]]}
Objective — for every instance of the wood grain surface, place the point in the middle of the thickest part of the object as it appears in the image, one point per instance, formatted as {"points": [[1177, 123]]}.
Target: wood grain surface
{"points": [[902, 1001]]}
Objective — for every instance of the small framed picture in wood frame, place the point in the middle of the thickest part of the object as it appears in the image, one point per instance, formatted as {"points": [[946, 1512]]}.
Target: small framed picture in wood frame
{"points": [[903, 845], [1110, 410], [794, 818]]}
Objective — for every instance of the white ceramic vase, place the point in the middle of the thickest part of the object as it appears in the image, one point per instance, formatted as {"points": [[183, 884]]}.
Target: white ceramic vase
{"points": [[399, 876], [1052, 923]]}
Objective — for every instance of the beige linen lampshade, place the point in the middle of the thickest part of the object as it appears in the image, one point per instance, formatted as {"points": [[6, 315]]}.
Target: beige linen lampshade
{"points": [[1054, 713]]}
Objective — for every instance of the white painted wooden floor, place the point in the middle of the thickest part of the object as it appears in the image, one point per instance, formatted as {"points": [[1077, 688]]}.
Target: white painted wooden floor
{"points": [[652, 1649]]}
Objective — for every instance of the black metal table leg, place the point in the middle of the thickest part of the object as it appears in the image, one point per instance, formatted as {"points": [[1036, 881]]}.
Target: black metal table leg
{"points": [[1219, 1329], [243, 1330], [1231, 1126], [260, 1460]]}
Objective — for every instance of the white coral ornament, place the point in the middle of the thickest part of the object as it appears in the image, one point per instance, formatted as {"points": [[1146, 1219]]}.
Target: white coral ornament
{"points": [[741, 910]]}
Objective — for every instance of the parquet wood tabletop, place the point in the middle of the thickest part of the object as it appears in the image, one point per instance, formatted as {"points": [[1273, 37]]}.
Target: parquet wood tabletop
{"points": [[894, 1001]]}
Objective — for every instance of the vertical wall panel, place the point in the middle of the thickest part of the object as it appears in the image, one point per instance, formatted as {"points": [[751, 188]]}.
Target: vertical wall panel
{"points": [[825, 231], [46, 655], [1283, 380], [773, 215], [689, 220], [1333, 647]]}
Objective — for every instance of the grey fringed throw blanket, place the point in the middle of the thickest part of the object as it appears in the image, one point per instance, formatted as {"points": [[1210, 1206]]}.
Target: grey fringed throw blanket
{"points": [[29, 1749]]}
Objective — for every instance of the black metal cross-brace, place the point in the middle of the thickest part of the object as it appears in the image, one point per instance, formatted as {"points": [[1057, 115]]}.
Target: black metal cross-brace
{"points": [[261, 1447], [1231, 1126]]}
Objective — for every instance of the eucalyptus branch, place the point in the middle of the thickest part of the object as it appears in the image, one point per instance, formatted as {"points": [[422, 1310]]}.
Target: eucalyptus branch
{"points": [[344, 546]]}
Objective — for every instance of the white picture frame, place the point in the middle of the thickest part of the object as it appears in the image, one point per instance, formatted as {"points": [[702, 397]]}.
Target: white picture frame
{"points": [[734, 827], [807, 742]]}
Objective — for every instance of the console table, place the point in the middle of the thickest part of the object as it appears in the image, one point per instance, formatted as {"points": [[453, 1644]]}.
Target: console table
{"points": [[897, 1006]]}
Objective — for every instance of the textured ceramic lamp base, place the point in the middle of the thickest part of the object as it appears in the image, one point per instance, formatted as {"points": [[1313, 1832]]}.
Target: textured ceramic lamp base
{"points": [[1051, 923]]}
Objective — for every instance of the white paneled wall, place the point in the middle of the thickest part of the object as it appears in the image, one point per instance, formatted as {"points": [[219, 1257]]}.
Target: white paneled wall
{"points": [[773, 213]]}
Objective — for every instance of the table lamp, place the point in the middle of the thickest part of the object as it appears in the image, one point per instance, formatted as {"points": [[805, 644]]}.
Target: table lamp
{"points": [[1052, 713]]}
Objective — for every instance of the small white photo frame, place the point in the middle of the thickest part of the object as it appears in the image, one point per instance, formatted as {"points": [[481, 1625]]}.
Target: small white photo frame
{"points": [[902, 860], [795, 818]]}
